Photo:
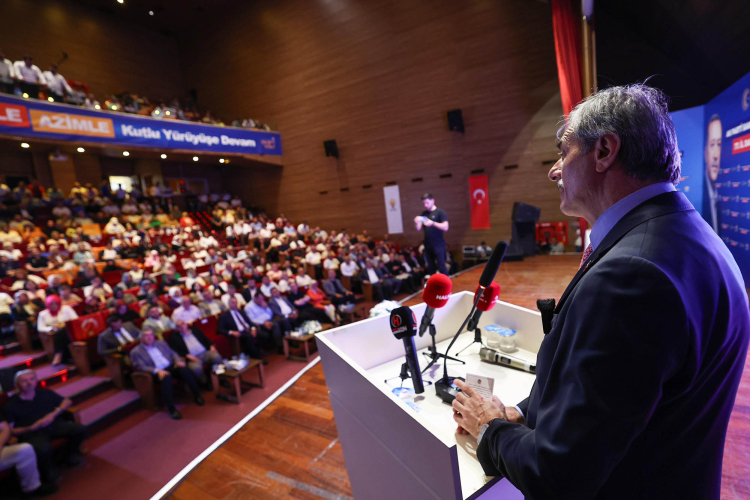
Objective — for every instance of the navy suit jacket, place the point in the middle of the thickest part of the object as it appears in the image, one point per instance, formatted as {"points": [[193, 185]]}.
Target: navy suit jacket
{"points": [[637, 377]]}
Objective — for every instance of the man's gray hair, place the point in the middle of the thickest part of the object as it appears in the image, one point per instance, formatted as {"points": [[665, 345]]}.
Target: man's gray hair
{"points": [[20, 374], [638, 114]]}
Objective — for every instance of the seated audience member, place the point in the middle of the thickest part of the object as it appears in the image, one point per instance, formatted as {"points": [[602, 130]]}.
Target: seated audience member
{"points": [[339, 296], [52, 320], [284, 310], [190, 343], [261, 315], [235, 323], [109, 253], [317, 298], [192, 278], [250, 291], [196, 293], [372, 275], [36, 294], [238, 280], [111, 267], [99, 288], [217, 287], [267, 287], [158, 322], [152, 300], [210, 305], [67, 297], [156, 357], [53, 285], [118, 335], [6, 302], [91, 305], [119, 294], [23, 309], [126, 282], [389, 280], [302, 278], [125, 312], [38, 416], [187, 312], [232, 292], [147, 288], [21, 456], [350, 269], [36, 262], [114, 226], [556, 247], [175, 297]]}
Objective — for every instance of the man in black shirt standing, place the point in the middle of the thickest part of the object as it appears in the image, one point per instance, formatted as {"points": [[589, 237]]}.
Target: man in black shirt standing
{"points": [[435, 223], [35, 415]]}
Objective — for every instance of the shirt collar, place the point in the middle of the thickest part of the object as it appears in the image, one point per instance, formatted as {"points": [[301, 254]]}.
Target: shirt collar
{"points": [[613, 214]]}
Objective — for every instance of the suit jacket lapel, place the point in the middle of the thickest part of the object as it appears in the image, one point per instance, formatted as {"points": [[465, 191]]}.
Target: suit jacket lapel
{"points": [[657, 206]]}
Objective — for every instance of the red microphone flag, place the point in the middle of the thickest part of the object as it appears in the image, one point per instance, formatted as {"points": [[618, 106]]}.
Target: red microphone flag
{"points": [[489, 297], [479, 195], [437, 291]]}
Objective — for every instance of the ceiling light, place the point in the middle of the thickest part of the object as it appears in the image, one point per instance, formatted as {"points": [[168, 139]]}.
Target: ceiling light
{"points": [[125, 153], [163, 156], [98, 107], [50, 99], [24, 145], [195, 158], [151, 13], [81, 150], [221, 160], [120, 1], [25, 95]]}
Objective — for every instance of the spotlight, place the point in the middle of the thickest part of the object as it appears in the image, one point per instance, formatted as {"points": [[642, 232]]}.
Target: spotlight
{"points": [[50, 99], [151, 13], [163, 156], [125, 153], [195, 158], [167, 113], [221, 160], [81, 150], [156, 112], [24, 145], [120, 1], [98, 107], [25, 95]]}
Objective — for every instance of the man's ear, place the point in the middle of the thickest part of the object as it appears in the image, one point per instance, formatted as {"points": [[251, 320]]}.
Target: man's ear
{"points": [[606, 149]]}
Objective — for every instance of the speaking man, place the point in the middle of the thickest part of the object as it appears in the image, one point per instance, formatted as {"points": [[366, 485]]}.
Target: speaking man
{"points": [[637, 377], [435, 222], [712, 157]]}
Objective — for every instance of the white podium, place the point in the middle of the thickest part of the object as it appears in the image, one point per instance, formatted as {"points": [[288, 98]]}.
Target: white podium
{"points": [[396, 449]]}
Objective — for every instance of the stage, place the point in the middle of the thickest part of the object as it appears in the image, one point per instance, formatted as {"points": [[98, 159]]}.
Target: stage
{"points": [[291, 448]]}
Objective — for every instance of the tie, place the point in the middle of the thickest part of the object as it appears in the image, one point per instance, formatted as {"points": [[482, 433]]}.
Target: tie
{"points": [[586, 254], [241, 325]]}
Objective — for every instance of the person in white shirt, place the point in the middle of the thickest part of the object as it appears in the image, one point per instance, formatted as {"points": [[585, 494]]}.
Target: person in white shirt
{"points": [[10, 252], [98, 288], [7, 75], [30, 77], [303, 229], [61, 210], [187, 312], [331, 262], [52, 320], [267, 287], [349, 267], [91, 102], [313, 257], [56, 84], [236, 202], [232, 293], [302, 278]]}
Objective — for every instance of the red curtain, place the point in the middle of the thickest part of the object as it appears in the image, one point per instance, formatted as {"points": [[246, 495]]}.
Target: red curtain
{"points": [[566, 23]]}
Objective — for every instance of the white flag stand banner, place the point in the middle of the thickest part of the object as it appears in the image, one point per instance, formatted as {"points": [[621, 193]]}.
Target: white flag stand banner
{"points": [[393, 209]]}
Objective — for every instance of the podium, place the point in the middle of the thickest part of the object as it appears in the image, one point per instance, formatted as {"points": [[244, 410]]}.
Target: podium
{"points": [[408, 449]]}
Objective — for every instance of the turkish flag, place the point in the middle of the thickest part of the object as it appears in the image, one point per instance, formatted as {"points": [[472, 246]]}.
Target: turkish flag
{"points": [[479, 195]]}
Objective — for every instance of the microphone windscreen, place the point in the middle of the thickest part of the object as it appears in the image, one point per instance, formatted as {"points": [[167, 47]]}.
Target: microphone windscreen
{"points": [[489, 297], [403, 322], [490, 270], [437, 291]]}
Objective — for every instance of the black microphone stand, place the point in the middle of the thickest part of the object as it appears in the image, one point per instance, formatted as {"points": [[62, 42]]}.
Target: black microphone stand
{"points": [[477, 340], [405, 374], [433, 353]]}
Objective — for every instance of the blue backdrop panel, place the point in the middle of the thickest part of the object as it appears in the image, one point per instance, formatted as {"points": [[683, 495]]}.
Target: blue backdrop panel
{"points": [[688, 124]]}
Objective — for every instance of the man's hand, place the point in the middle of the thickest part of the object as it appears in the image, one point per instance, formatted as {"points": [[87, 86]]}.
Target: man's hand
{"points": [[234, 333], [472, 411], [161, 374], [293, 315], [268, 324], [180, 364], [213, 349], [428, 222], [418, 219], [192, 358], [44, 421]]}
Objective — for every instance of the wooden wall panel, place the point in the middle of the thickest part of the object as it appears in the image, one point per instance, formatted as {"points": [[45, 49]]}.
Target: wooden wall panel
{"points": [[109, 54], [378, 76]]}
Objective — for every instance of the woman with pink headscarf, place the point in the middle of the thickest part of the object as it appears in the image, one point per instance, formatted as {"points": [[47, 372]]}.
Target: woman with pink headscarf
{"points": [[52, 320]]}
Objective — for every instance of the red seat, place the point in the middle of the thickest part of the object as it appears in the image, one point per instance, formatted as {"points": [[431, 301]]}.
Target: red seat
{"points": [[223, 343], [112, 278]]}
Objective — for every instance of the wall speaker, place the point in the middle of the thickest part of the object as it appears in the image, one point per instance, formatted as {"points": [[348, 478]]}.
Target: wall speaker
{"points": [[455, 121], [525, 213], [331, 148]]}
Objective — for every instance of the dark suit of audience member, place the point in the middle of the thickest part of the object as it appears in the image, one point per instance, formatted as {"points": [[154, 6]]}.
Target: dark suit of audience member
{"points": [[389, 279], [284, 310], [383, 290], [111, 340], [335, 291], [237, 321], [190, 343], [159, 356]]}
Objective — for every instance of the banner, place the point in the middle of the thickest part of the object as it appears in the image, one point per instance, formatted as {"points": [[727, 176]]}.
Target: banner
{"points": [[392, 197], [42, 120], [480, 203]]}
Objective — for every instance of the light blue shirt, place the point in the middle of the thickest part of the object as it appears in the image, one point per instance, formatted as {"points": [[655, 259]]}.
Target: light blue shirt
{"points": [[258, 315], [193, 344], [160, 362], [616, 212]]}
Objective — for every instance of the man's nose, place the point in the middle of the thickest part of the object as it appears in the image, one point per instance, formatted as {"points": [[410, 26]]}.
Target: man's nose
{"points": [[555, 173]]}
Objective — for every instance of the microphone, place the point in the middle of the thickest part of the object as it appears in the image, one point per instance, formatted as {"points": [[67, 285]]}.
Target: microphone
{"points": [[436, 293], [403, 323], [487, 301], [444, 387], [490, 270]]}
